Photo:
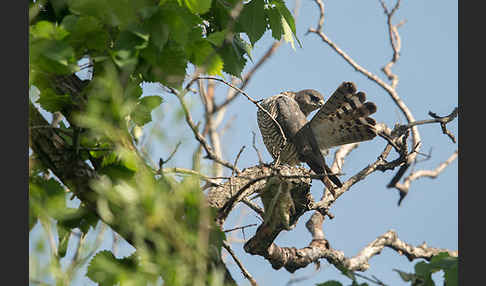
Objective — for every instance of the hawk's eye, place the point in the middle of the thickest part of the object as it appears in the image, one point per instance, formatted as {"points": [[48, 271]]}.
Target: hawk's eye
{"points": [[314, 98]]}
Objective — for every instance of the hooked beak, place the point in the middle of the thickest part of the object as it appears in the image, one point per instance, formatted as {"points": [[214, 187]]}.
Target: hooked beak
{"points": [[321, 103]]}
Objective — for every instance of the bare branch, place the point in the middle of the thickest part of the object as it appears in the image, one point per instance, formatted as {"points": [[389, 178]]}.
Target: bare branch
{"points": [[240, 227], [292, 258], [390, 89], [260, 160], [238, 157], [162, 161], [210, 154], [403, 188], [444, 120], [240, 265], [395, 42], [248, 76], [253, 101], [254, 207], [339, 156]]}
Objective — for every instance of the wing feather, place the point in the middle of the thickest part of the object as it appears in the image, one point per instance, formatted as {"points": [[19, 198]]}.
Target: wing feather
{"points": [[344, 118]]}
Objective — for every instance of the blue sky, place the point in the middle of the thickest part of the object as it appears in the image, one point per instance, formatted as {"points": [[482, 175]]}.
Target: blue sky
{"points": [[428, 74]]}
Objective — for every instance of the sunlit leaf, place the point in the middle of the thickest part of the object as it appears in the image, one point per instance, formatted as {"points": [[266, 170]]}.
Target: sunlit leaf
{"points": [[252, 20], [198, 6], [142, 113]]}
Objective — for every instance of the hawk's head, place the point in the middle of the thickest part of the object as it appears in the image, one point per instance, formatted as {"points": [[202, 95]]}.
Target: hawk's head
{"points": [[309, 100]]}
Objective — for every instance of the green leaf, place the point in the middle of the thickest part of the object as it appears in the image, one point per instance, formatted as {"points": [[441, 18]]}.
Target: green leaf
{"points": [[59, 7], [107, 270], [217, 38], [46, 198], [415, 279], [198, 6], [142, 113], [180, 21], [443, 261], [94, 8], [405, 276], [125, 53], [287, 34], [275, 22], [32, 217], [117, 171], [242, 45], [330, 283], [63, 234], [289, 19], [158, 29], [233, 60], [219, 15], [449, 265], [48, 30], [168, 67], [53, 102], [284, 11], [132, 39], [346, 272], [202, 54], [86, 33], [81, 218], [120, 13], [425, 271], [252, 20], [51, 56]]}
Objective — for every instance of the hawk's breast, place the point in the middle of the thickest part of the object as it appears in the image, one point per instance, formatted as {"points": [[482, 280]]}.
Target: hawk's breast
{"points": [[272, 137]]}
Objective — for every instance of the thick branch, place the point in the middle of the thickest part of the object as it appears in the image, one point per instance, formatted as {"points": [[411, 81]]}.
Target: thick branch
{"points": [[293, 259]]}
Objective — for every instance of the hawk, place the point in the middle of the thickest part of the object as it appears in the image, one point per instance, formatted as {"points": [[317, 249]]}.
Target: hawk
{"points": [[342, 119]]}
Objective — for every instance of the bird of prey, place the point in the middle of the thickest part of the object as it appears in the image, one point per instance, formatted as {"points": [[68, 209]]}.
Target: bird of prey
{"points": [[342, 119]]}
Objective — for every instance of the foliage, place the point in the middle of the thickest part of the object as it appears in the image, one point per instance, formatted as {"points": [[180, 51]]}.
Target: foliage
{"points": [[421, 277], [127, 43], [423, 271]]}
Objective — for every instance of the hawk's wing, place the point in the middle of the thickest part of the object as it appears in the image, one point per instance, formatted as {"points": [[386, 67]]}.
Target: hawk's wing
{"points": [[344, 118], [295, 127]]}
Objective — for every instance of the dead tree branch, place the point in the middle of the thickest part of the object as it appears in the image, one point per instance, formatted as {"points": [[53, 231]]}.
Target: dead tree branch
{"points": [[293, 259], [405, 186], [240, 265], [210, 154], [389, 88]]}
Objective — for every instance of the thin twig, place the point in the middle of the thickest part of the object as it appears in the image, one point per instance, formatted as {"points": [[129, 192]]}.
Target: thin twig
{"points": [[162, 161], [248, 76], [46, 224], [240, 227], [403, 188], [254, 207], [237, 158], [252, 100], [210, 154], [388, 88], [260, 160], [240, 265], [374, 280]]}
